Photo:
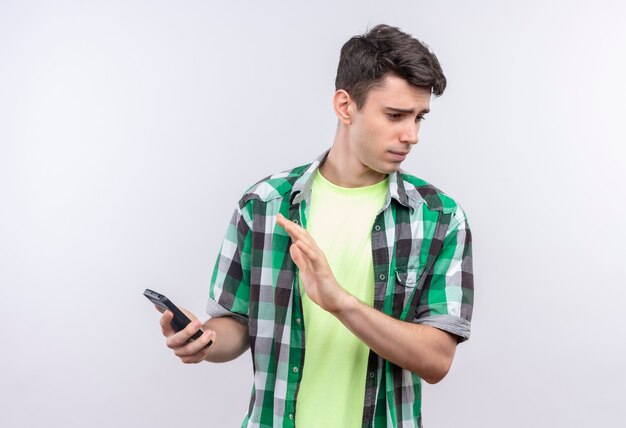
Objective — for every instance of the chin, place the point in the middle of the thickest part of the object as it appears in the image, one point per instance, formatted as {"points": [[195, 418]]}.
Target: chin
{"points": [[389, 168], [385, 167]]}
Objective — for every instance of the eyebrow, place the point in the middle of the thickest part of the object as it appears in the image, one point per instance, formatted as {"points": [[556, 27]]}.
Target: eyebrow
{"points": [[406, 110]]}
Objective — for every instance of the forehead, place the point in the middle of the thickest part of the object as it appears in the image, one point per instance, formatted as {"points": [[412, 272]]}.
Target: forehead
{"points": [[397, 92]]}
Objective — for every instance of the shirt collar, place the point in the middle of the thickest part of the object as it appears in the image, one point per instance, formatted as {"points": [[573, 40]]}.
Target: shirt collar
{"points": [[302, 187]]}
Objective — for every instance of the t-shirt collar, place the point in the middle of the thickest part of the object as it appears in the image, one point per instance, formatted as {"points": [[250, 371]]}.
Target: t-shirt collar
{"points": [[302, 187]]}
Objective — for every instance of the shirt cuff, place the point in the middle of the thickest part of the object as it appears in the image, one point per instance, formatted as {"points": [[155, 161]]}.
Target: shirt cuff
{"points": [[460, 327], [215, 310]]}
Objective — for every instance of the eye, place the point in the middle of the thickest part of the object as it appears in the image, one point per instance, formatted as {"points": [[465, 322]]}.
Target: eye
{"points": [[394, 116], [420, 118]]}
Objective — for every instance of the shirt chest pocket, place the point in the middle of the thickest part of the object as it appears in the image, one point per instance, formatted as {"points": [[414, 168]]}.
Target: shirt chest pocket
{"points": [[406, 290], [407, 277]]}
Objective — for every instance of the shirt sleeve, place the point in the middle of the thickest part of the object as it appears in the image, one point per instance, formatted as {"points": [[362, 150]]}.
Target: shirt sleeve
{"points": [[446, 300], [229, 294]]}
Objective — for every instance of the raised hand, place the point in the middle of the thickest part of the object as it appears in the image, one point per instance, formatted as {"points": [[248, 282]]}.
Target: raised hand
{"points": [[317, 277]]}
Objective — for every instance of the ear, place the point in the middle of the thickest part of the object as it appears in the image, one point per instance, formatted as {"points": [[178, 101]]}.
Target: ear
{"points": [[344, 106]]}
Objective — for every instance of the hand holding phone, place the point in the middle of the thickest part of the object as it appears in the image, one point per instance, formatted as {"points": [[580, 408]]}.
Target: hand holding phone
{"points": [[180, 320]]}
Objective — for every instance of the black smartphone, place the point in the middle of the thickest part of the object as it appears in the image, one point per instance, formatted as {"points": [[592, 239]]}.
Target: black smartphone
{"points": [[180, 320]]}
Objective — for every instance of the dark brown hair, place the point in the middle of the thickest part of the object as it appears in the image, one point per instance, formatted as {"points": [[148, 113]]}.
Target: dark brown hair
{"points": [[366, 60]]}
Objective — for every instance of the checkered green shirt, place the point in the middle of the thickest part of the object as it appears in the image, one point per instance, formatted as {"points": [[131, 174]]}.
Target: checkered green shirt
{"points": [[422, 255]]}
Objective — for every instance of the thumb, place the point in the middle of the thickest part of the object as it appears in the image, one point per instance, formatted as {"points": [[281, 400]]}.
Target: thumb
{"points": [[166, 323]]}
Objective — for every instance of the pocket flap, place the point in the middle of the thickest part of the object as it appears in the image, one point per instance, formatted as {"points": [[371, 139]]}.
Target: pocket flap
{"points": [[407, 277]]}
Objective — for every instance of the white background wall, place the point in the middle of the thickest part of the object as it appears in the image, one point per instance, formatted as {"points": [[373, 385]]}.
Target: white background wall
{"points": [[128, 130]]}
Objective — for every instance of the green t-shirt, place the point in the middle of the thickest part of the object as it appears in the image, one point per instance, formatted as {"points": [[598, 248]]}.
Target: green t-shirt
{"points": [[335, 361]]}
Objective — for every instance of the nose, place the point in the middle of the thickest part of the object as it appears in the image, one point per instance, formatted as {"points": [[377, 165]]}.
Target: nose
{"points": [[410, 133]]}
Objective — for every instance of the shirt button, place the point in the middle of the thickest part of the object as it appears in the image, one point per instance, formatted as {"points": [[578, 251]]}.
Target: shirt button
{"points": [[377, 228], [382, 276], [298, 320], [291, 416], [295, 220], [295, 370], [372, 375], [409, 281]]}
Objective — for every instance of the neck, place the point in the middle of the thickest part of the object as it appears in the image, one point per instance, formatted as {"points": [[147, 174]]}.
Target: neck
{"points": [[342, 167]]}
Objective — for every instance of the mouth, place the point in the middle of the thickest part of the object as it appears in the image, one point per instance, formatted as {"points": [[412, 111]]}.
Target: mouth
{"points": [[399, 156]]}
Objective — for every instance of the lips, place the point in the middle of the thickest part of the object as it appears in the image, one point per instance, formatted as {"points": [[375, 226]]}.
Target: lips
{"points": [[399, 155]]}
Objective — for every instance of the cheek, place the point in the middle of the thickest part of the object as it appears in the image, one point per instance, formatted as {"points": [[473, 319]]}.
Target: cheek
{"points": [[378, 132], [372, 138]]}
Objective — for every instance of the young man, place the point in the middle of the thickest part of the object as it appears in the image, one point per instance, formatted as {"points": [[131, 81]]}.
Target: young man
{"points": [[349, 280]]}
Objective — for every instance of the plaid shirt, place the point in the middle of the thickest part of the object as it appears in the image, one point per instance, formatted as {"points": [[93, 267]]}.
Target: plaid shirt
{"points": [[421, 247]]}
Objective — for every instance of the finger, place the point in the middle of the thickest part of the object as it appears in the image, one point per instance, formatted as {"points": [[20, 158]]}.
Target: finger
{"points": [[280, 219], [300, 234], [193, 359], [294, 230], [312, 258], [296, 256], [299, 258], [166, 323], [196, 346], [308, 252], [180, 338]]}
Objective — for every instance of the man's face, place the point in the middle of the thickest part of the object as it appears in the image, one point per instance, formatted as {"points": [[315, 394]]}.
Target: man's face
{"points": [[385, 129]]}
